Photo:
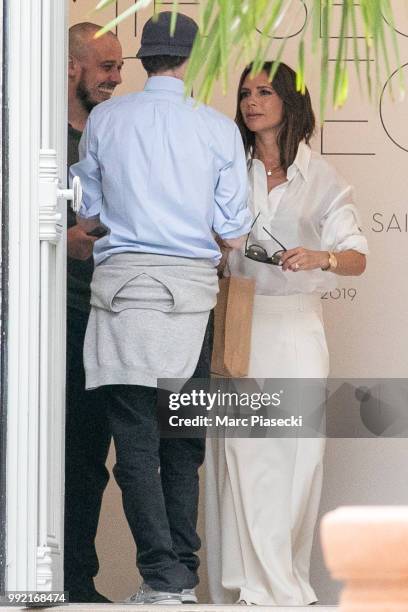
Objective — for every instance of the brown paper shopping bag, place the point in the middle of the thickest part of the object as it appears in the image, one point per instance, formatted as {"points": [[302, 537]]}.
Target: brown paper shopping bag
{"points": [[232, 327]]}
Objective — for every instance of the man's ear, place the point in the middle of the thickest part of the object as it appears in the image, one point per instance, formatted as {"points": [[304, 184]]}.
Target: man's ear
{"points": [[73, 67]]}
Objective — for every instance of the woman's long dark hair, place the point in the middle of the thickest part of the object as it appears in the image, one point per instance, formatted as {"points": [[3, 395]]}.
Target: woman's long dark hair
{"points": [[298, 121]]}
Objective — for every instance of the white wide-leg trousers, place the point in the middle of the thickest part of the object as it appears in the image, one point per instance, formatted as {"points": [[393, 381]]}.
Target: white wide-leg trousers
{"points": [[263, 494]]}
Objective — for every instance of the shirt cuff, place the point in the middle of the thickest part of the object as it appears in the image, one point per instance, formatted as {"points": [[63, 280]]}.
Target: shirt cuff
{"points": [[90, 213], [355, 243], [239, 227]]}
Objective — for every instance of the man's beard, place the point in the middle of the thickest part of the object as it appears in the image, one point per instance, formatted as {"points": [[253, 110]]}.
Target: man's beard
{"points": [[83, 94]]}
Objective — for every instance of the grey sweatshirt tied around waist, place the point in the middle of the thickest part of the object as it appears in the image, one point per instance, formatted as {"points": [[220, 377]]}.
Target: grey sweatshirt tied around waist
{"points": [[148, 318]]}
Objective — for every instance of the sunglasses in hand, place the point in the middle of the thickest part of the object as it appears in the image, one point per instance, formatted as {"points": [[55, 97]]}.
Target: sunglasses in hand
{"points": [[258, 253]]}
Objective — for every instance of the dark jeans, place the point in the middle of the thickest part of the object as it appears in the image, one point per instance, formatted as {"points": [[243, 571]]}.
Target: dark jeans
{"points": [[159, 483], [87, 440]]}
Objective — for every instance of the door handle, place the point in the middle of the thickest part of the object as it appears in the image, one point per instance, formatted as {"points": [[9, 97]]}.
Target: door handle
{"points": [[50, 213], [74, 194]]}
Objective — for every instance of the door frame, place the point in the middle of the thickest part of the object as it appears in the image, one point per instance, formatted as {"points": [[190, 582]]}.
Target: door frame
{"points": [[36, 72], [4, 287]]}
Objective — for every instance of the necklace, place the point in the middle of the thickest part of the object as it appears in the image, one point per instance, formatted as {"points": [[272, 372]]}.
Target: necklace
{"points": [[273, 171]]}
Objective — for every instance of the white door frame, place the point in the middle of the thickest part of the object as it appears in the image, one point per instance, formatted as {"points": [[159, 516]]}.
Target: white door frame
{"points": [[36, 352]]}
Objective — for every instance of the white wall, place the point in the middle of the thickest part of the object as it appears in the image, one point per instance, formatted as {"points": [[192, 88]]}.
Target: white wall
{"points": [[367, 335]]}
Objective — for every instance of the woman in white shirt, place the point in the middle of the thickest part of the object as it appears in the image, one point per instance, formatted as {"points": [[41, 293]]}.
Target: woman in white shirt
{"points": [[263, 493]]}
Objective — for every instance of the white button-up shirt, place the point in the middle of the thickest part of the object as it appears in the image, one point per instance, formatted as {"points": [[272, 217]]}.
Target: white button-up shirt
{"points": [[313, 209]]}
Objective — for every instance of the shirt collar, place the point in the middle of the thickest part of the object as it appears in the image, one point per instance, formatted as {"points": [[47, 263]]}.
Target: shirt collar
{"points": [[166, 83], [73, 130], [301, 162]]}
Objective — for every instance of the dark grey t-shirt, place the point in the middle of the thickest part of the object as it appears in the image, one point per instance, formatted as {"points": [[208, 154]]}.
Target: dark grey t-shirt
{"points": [[79, 273]]}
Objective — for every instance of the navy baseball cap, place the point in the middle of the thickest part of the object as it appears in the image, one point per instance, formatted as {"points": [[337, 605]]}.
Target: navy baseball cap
{"points": [[156, 38]]}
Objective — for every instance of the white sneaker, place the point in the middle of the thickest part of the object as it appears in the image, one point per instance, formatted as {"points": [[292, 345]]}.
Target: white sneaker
{"points": [[189, 596], [148, 596]]}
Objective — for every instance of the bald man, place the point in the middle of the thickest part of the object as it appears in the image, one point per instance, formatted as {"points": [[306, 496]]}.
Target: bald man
{"points": [[93, 73]]}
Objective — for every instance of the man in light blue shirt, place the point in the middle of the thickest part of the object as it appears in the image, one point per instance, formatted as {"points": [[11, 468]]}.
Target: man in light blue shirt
{"points": [[163, 176]]}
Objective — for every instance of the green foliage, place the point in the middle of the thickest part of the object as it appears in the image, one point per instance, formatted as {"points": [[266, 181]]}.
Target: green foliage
{"points": [[230, 32]]}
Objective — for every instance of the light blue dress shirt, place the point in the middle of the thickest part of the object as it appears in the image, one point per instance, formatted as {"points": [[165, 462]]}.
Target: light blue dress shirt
{"points": [[163, 174]]}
